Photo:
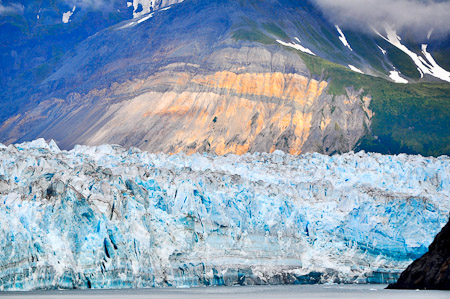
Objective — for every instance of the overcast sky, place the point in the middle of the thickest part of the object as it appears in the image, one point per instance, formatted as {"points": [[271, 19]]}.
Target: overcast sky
{"points": [[416, 16]]}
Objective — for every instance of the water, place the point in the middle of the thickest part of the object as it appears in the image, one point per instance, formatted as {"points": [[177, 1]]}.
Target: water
{"points": [[254, 292]]}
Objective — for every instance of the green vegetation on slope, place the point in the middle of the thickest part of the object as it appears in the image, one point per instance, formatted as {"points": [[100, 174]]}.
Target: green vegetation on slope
{"points": [[363, 45], [402, 61], [248, 30], [253, 35], [409, 118], [275, 30]]}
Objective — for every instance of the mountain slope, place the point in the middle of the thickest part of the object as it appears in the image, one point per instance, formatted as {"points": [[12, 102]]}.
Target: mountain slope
{"points": [[190, 79], [35, 35]]}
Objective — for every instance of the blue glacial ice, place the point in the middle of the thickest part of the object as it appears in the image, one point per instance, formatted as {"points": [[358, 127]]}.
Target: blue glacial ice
{"points": [[107, 217]]}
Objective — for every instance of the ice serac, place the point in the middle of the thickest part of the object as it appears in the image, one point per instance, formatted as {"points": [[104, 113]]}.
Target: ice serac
{"points": [[107, 217]]}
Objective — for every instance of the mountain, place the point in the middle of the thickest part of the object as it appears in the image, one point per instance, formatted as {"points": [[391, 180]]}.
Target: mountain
{"points": [[35, 35], [109, 217], [226, 77]]}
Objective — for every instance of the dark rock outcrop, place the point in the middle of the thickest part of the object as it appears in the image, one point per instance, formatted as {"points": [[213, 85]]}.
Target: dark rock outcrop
{"points": [[432, 270]]}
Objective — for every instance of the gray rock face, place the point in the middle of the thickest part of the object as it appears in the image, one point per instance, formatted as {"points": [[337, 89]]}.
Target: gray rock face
{"points": [[431, 271], [230, 109], [204, 76], [149, 83]]}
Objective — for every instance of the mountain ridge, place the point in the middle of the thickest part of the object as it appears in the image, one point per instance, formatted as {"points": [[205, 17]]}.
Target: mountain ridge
{"points": [[218, 46]]}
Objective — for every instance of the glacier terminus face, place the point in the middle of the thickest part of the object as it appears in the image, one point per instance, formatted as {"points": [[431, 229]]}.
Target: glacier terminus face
{"points": [[108, 217]]}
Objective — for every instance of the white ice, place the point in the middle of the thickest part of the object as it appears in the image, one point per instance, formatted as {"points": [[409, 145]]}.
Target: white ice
{"points": [[110, 217], [128, 25]]}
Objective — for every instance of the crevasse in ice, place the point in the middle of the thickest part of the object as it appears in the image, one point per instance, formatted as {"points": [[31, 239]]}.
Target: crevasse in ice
{"points": [[107, 217]]}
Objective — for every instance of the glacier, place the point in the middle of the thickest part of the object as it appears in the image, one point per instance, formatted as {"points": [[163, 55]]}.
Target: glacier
{"points": [[109, 217]]}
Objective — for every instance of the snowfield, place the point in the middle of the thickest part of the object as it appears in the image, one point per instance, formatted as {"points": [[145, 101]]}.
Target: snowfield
{"points": [[425, 65], [107, 217]]}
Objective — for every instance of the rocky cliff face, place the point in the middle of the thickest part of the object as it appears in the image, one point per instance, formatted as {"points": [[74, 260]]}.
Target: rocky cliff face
{"points": [[212, 93], [183, 107], [431, 271]]}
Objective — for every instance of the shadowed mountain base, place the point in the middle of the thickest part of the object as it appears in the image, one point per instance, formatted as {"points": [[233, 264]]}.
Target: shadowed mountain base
{"points": [[431, 271]]}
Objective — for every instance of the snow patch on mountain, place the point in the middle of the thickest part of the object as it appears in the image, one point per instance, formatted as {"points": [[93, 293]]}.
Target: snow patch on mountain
{"points": [[426, 65], [109, 217], [395, 76], [421, 73], [128, 25], [435, 69], [142, 7], [66, 16], [382, 50], [149, 16], [297, 46], [141, 18], [355, 69], [343, 39]]}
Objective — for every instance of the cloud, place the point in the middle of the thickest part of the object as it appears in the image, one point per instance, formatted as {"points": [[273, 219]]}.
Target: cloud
{"points": [[415, 16], [13, 8], [87, 3]]}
